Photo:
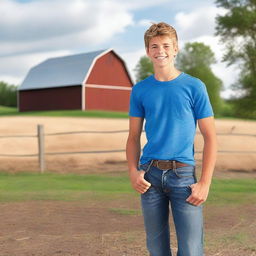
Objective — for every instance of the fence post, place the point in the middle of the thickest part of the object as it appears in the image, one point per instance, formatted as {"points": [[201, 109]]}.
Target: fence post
{"points": [[40, 134]]}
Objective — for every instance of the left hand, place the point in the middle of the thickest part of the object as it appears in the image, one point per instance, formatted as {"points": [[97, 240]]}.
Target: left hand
{"points": [[199, 193]]}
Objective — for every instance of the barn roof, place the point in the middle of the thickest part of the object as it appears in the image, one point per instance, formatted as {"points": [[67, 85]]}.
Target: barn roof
{"points": [[61, 71]]}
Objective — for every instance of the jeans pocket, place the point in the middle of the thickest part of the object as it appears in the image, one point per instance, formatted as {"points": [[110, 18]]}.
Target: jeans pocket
{"points": [[189, 189], [185, 172]]}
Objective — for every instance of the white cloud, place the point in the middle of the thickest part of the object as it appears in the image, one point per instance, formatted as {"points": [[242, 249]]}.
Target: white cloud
{"points": [[227, 74], [141, 4], [145, 23], [14, 68], [196, 23], [49, 24], [230, 93], [13, 79]]}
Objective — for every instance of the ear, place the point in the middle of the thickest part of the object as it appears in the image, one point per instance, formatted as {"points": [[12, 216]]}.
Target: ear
{"points": [[176, 48]]}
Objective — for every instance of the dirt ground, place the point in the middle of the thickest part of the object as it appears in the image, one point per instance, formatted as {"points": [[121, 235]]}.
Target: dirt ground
{"points": [[228, 159], [56, 228], [80, 229]]}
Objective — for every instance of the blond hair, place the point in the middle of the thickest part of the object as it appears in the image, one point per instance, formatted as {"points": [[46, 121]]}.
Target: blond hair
{"points": [[160, 29]]}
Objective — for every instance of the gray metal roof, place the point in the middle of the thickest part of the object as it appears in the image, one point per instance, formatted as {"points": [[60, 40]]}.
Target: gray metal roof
{"points": [[60, 71]]}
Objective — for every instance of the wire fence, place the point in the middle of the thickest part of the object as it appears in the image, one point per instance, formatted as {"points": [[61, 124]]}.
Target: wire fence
{"points": [[41, 149]]}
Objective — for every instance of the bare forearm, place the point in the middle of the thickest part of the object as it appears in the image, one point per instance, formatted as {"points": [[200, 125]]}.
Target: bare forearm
{"points": [[209, 159], [200, 190], [133, 153]]}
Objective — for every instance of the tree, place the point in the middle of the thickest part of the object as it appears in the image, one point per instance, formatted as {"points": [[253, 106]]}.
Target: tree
{"points": [[196, 59], [237, 30], [143, 69], [8, 95]]}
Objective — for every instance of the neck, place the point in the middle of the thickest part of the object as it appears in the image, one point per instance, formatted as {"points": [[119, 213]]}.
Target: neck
{"points": [[166, 73]]}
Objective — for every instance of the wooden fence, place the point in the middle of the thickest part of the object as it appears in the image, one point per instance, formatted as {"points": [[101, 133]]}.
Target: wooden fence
{"points": [[41, 148]]}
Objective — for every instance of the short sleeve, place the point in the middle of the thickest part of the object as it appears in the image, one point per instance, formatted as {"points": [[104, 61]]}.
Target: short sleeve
{"points": [[136, 108], [202, 105]]}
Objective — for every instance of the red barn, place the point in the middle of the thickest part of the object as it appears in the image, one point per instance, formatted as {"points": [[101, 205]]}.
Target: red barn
{"points": [[91, 81]]}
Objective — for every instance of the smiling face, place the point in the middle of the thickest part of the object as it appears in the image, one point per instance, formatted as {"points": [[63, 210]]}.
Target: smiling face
{"points": [[162, 51]]}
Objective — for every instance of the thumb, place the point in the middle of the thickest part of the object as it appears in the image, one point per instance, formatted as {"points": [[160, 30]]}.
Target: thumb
{"points": [[192, 185], [142, 173], [143, 178]]}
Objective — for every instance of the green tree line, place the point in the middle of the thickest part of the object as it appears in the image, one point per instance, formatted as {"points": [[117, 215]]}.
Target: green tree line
{"points": [[8, 94], [237, 30]]}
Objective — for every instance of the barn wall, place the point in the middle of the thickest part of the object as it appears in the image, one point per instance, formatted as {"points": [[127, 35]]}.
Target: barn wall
{"points": [[107, 99], [50, 99], [109, 70]]}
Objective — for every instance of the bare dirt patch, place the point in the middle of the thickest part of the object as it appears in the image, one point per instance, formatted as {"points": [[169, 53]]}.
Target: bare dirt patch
{"points": [[65, 228], [80, 228]]}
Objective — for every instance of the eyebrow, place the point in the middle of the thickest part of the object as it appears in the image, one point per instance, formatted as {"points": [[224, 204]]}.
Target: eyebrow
{"points": [[163, 44]]}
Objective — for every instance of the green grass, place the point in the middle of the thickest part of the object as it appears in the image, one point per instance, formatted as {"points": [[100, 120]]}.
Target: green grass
{"points": [[232, 191], [11, 111], [70, 187], [67, 187], [7, 111]]}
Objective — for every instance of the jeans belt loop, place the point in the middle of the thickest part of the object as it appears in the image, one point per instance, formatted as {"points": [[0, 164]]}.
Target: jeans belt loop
{"points": [[174, 165], [157, 165], [151, 162]]}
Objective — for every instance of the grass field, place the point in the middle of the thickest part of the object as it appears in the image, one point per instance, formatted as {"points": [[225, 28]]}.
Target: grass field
{"points": [[68, 187], [50, 186], [8, 111], [12, 111]]}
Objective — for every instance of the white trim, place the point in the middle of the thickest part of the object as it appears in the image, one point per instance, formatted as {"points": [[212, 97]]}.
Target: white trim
{"points": [[93, 63], [83, 97], [18, 100], [109, 87]]}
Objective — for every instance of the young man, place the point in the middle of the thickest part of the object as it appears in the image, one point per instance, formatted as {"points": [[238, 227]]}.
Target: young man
{"points": [[172, 103]]}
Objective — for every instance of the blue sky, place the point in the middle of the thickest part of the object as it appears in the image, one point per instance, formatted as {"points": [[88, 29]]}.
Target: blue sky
{"points": [[34, 30]]}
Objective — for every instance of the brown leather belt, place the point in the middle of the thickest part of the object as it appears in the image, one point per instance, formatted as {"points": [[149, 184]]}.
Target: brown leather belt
{"points": [[168, 164]]}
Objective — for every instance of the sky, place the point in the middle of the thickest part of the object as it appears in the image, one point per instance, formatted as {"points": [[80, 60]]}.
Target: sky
{"points": [[33, 30]]}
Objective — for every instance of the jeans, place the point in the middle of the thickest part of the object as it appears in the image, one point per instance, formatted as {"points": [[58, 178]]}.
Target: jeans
{"points": [[171, 187]]}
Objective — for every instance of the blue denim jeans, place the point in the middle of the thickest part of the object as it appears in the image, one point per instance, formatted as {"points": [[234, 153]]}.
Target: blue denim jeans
{"points": [[171, 187]]}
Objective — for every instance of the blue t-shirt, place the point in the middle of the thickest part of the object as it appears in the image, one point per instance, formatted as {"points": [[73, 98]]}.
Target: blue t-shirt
{"points": [[171, 109]]}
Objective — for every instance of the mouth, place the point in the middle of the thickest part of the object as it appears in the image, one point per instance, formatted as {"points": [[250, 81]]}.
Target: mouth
{"points": [[160, 57]]}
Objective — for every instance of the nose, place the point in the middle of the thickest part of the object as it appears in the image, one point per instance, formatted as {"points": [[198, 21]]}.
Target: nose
{"points": [[160, 49]]}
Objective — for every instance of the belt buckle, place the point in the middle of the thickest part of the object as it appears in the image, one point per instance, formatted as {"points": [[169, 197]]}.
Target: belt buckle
{"points": [[157, 164]]}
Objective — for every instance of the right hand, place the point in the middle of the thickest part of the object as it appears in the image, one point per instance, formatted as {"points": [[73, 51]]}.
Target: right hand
{"points": [[138, 182]]}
